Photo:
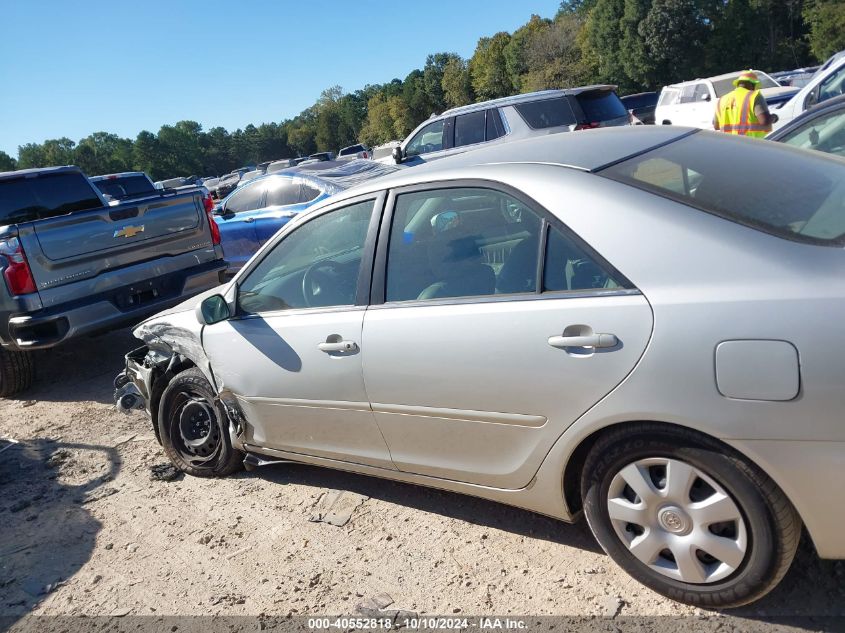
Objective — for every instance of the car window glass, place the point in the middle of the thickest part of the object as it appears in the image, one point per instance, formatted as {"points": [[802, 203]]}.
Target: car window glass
{"points": [[601, 106], [701, 92], [796, 195], [669, 96], [688, 93], [469, 128], [246, 199], [316, 265], [833, 86], [461, 242], [495, 129], [289, 191], [48, 195], [569, 267], [428, 139], [823, 133], [546, 113]]}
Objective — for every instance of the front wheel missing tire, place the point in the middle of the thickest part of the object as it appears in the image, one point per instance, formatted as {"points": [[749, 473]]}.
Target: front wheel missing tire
{"points": [[194, 429]]}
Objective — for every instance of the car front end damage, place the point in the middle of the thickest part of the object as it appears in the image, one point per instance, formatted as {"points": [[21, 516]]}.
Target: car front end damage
{"points": [[169, 350]]}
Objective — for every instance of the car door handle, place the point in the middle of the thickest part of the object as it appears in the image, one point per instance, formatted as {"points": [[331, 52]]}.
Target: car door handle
{"points": [[590, 340], [338, 346], [249, 219]]}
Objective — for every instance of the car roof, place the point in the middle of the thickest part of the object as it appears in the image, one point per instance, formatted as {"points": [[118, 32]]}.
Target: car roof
{"points": [[39, 170], [587, 150], [716, 77], [524, 98]]}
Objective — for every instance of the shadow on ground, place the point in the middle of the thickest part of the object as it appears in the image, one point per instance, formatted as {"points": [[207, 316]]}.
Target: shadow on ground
{"points": [[81, 369], [46, 531]]}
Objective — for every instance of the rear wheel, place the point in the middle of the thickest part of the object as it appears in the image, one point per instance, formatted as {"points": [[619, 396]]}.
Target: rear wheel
{"points": [[688, 518], [194, 429], [16, 372]]}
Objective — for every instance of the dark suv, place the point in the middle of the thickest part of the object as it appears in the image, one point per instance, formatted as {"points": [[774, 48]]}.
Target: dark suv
{"points": [[512, 118]]}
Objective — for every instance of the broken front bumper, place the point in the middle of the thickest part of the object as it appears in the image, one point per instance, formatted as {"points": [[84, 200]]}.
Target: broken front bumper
{"points": [[133, 386]]}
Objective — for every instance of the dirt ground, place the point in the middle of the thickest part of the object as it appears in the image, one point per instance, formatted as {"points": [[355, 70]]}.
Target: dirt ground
{"points": [[84, 529]]}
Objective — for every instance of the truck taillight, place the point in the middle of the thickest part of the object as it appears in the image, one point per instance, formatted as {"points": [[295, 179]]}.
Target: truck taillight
{"points": [[208, 203], [16, 272]]}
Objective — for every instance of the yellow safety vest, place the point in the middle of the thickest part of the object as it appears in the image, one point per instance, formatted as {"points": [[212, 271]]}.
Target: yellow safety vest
{"points": [[735, 114]]}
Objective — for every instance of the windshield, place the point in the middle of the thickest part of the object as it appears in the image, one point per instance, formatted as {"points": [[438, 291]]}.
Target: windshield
{"points": [[792, 194]]}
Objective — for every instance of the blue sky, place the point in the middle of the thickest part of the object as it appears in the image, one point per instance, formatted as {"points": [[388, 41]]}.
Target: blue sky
{"points": [[73, 68]]}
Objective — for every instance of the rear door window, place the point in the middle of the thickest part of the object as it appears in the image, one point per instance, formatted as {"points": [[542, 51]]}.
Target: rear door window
{"points": [[50, 195], [601, 106], [546, 113], [470, 128]]}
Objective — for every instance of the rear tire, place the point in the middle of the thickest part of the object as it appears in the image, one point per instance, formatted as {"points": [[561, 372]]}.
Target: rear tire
{"points": [[194, 429], [688, 517], [16, 372]]}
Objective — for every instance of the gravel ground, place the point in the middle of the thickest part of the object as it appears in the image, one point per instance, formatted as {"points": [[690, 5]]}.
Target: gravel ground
{"points": [[93, 523]]}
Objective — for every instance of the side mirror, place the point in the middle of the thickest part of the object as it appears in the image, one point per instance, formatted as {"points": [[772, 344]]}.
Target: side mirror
{"points": [[213, 309], [397, 154], [706, 97]]}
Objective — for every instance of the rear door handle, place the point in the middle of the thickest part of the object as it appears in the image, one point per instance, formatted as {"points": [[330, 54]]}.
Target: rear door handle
{"points": [[590, 340], [338, 346]]}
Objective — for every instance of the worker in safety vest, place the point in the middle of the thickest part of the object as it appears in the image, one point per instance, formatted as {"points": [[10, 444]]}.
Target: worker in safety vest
{"points": [[744, 111]]}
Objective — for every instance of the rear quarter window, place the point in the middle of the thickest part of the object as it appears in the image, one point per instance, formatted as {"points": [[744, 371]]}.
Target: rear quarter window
{"points": [[546, 113], [789, 193], [50, 195]]}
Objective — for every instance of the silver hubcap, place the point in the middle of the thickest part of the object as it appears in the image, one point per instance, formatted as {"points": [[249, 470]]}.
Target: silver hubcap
{"points": [[677, 520]]}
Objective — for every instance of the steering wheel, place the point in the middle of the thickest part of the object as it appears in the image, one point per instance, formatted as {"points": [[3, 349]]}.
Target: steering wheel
{"points": [[318, 283]]}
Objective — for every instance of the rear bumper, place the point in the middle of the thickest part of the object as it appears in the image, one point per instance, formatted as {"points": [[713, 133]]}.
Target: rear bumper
{"points": [[812, 475], [48, 327]]}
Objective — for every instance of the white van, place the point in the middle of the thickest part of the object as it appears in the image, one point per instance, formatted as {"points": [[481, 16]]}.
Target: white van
{"points": [[693, 103], [828, 82]]}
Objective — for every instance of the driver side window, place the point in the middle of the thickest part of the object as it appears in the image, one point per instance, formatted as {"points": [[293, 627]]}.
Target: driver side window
{"points": [[247, 199], [317, 265], [428, 139]]}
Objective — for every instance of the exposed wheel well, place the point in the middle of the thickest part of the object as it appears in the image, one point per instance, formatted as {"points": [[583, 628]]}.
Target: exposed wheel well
{"points": [[159, 382], [575, 463], [666, 122]]}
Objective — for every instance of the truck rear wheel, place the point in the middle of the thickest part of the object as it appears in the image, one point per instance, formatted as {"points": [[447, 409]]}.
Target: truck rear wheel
{"points": [[16, 372]]}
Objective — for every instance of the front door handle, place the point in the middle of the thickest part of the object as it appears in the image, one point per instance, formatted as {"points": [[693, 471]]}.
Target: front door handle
{"points": [[249, 220], [338, 346], [589, 340]]}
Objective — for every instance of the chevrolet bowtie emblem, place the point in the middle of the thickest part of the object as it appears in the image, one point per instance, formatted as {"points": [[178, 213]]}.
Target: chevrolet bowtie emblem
{"points": [[129, 231]]}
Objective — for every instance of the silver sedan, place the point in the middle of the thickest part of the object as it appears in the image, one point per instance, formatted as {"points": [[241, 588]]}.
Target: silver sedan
{"points": [[644, 325]]}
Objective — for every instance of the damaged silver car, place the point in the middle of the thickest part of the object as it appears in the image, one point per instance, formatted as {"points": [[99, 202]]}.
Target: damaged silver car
{"points": [[643, 325]]}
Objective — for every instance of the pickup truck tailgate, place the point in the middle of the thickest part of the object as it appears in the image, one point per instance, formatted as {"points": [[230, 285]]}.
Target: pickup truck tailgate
{"points": [[85, 244]]}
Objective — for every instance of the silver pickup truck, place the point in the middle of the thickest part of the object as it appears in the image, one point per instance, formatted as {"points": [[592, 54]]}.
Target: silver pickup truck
{"points": [[71, 264]]}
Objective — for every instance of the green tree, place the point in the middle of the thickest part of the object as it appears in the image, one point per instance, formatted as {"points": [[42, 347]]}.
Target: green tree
{"points": [[457, 84], [516, 51], [488, 67], [433, 72], [554, 57], [147, 155], [603, 37], [31, 155], [674, 37], [826, 22], [7, 163]]}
